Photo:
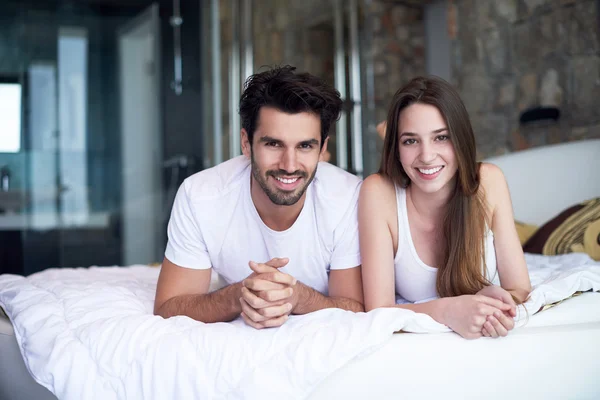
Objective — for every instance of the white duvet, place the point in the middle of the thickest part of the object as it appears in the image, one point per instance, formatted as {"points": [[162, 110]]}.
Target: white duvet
{"points": [[90, 334]]}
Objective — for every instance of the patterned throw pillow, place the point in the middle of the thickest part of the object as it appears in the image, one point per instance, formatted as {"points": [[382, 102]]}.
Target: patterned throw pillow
{"points": [[575, 230]]}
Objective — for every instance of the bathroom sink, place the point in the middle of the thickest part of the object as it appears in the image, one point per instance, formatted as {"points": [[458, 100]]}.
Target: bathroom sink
{"points": [[12, 200]]}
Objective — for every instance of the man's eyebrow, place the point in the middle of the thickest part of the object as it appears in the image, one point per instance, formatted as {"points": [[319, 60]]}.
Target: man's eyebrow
{"points": [[311, 141], [269, 139], [264, 139]]}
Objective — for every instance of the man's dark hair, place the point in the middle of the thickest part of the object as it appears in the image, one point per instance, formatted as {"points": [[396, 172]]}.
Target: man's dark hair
{"points": [[292, 93]]}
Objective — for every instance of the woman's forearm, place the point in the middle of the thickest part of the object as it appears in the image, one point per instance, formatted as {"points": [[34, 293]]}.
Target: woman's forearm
{"points": [[520, 295], [436, 309]]}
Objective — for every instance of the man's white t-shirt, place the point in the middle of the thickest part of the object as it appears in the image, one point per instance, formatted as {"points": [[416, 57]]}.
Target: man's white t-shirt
{"points": [[214, 223]]}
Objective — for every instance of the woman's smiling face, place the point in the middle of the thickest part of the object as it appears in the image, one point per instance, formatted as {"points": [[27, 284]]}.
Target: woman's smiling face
{"points": [[426, 151]]}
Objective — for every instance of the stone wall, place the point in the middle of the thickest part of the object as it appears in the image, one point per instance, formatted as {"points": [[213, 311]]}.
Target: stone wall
{"points": [[507, 56], [299, 33], [394, 35], [397, 51], [512, 55]]}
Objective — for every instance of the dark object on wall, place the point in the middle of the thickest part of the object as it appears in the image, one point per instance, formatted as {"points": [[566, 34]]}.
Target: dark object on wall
{"points": [[11, 253], [539, 114]]}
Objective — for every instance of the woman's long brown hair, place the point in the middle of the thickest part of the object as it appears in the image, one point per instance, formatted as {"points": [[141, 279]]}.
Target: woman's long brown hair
{"points": [[464, 225]]}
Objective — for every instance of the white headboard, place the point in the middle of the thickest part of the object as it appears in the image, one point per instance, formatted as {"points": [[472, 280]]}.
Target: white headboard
{"points": [[546, 180]]}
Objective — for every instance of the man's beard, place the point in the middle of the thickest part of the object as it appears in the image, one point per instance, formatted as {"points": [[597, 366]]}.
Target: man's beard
{"points": [[279, 197]]}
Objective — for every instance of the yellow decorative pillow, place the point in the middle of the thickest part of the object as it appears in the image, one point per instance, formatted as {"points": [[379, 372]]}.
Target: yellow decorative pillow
{"points": [[575, 230], [579, 233], [525, 231]]}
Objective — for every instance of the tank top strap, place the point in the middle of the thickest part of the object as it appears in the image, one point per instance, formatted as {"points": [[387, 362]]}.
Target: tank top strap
{"points": [[401, 216]]}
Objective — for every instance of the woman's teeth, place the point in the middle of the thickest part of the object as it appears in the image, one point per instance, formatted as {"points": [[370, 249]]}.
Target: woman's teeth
{"points": [[429, 171], [288, 181]]}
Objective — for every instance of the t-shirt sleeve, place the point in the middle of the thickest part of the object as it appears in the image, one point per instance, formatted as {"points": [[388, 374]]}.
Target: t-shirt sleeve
{"points": [[346, 250], [185, 246]]}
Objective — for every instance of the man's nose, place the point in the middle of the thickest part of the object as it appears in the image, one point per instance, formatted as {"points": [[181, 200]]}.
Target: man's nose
{"points": [[289, 162]]}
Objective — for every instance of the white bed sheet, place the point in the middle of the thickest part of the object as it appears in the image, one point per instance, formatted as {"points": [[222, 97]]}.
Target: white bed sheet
{"points": [[541, 360]]}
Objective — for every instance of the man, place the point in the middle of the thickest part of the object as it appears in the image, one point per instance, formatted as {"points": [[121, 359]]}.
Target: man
{"points": [[279, 227]]}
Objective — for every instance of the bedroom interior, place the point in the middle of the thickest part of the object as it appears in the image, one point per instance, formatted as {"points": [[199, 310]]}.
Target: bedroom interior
{"points": [[106, 106]]}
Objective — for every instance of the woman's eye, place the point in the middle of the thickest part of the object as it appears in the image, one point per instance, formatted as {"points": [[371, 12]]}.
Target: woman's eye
{"points": [[409, 141], [442, 138]]}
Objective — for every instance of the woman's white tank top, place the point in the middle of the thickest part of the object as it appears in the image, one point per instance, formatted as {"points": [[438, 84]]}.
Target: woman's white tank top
{"points": [[415, 280]]}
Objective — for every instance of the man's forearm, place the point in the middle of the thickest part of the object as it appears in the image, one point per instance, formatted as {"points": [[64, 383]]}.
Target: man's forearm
{"points": [[220, 306], [310, 300]]}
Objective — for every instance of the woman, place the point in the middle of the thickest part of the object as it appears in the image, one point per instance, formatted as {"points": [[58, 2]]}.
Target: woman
{"points": [[436, 227]]}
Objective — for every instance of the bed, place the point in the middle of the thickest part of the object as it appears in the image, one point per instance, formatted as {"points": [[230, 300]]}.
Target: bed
{"points": [[553, 354]]}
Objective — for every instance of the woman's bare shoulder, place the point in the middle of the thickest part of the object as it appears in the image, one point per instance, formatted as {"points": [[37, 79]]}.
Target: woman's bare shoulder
{"points": [[492, 177], [378, 191], [494, 184], [378, 184]]}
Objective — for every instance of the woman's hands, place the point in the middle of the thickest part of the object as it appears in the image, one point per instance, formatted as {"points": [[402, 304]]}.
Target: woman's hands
{"points": [[471, 315], [499, 326]]}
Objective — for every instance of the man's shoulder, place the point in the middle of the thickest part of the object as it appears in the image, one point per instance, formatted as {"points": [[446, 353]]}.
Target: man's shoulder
{"points": [[218, 181], [335, 191], [333, 181]]}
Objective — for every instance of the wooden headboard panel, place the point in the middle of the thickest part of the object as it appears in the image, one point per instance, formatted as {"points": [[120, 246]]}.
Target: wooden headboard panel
{"points": [[546, 180]]}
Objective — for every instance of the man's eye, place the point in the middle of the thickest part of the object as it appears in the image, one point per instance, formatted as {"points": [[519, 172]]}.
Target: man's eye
{"points": [[306, 146], [272, 144]]}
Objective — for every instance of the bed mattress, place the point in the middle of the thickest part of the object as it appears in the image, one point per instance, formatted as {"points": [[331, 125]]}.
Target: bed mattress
{"points": [[556, 355]]}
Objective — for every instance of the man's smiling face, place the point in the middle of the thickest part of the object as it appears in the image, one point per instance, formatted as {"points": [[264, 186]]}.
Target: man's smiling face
{"points": [[285, 153]]}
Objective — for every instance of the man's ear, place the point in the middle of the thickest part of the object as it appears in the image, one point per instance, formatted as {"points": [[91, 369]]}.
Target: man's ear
{"points": [[324, 155], [246, 149]]}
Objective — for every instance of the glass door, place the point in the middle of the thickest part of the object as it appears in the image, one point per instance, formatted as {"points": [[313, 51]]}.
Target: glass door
{"points": [[88, 155], [141, 144]]}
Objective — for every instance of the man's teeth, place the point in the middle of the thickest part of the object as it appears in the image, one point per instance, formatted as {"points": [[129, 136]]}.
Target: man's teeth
{"points": [[429, 171], [284, 180]]}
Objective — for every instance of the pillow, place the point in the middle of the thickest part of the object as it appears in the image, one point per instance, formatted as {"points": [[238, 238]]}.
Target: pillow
{"points": [[525, 231], [575, 230]]}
